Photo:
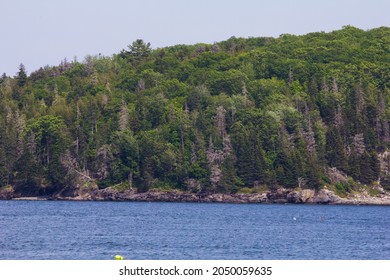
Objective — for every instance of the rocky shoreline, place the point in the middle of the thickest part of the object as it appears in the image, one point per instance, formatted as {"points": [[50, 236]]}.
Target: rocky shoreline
{"points": [[280, 196]]}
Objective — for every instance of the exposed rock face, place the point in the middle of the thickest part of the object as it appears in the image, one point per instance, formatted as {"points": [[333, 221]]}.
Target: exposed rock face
{"points": [[281, 195], [278, 196], [304, 196], [325, 196]]}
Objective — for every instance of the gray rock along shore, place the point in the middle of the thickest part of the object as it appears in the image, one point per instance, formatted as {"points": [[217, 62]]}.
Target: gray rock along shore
{"points": [[281, 196]]}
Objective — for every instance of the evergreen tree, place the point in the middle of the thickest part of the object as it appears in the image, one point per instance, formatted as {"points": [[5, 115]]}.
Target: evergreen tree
{"points": [[21, 76], [335, 155], [204, 118]]}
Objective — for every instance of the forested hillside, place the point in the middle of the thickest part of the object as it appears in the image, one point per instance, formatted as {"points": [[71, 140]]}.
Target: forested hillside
{"points": [[242, 114]]}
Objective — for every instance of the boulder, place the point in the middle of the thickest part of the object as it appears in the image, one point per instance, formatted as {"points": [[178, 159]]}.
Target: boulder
{"points": [[278, 196], [325, 196]]}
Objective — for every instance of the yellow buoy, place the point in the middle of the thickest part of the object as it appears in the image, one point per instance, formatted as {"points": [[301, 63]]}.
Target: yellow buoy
{"points": [[118, 258]]}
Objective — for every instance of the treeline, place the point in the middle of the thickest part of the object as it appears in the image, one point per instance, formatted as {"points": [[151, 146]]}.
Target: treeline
{"points": [[295, 111]]}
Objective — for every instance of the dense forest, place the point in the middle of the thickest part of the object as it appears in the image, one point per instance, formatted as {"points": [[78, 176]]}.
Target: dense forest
{"points": [[238, 115]]}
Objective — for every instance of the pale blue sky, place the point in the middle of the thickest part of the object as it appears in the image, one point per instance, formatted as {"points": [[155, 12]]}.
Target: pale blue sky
{"points": [[43, 32]]}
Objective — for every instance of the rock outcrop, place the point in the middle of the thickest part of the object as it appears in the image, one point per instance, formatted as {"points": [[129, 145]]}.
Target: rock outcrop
{"points": [[280, 195], [7, 193], [325, 196]]}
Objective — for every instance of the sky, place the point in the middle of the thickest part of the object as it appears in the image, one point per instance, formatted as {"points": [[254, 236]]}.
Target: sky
{"points": [[44, 32]]}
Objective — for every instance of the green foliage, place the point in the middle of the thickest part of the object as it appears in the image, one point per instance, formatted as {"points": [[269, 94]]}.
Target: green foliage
{"points": [[373, 192], [226, 117], [245, 190], [342, 189]]}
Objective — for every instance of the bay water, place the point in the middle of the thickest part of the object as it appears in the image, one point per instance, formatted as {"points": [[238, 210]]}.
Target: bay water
{"points": [[65, 230]]}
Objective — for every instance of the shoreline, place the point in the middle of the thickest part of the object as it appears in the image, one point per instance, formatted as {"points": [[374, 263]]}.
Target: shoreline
{"points": [[30, 198], [279, 196]]}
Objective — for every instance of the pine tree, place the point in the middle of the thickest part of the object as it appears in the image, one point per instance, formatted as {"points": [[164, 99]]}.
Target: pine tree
{"points": [[21, 76], [335, 154]]}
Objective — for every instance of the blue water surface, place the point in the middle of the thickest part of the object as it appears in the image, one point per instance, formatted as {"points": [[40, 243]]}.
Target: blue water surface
{"points": [[141, 230]]}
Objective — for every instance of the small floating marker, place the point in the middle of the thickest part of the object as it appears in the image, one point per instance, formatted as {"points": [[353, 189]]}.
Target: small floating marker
{"points": [[294, 219], [118, 258]]}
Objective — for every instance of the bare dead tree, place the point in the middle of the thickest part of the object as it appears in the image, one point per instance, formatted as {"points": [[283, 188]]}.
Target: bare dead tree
{"points": [[301, 182], [94, 78], [245, 93], [104, 157], [358, 145], [140, 86], [123, 117], [221, 120], [32, 145], [215, 48], [335, 87], [20, 123], [382, 124], [338, 118], [359, 95], [290, 77], [324, 85], [309, 134]]}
